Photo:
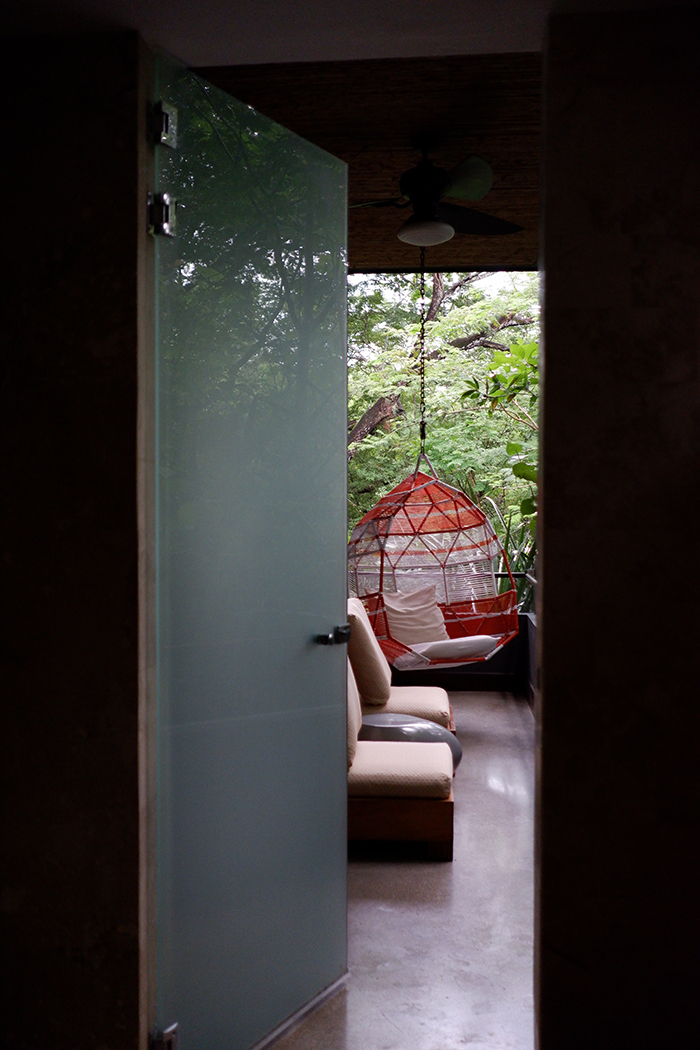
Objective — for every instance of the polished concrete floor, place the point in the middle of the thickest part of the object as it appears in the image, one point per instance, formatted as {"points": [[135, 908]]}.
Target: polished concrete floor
{"points": [[440, 954]]}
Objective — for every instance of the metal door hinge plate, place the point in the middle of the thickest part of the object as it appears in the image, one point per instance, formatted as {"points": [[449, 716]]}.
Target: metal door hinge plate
{"points": [[164, 119], [165, 1040], [161, 214]]}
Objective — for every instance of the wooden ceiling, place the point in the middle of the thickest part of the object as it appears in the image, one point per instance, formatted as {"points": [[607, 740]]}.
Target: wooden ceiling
{"points": [[371, 114]]}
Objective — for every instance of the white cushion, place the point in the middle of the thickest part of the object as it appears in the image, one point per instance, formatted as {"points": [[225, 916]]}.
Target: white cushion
{"points": [[369, 664], [476, 645], [354, 715], [421, 701], [400, 769], [414, 616], [468, 648]]}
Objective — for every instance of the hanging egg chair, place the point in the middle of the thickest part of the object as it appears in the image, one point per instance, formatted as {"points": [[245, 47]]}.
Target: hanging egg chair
{"points": [[433, 576], [429, 567]]}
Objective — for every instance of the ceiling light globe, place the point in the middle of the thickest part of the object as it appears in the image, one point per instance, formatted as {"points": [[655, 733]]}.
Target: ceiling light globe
{"points": [[425, 232]]}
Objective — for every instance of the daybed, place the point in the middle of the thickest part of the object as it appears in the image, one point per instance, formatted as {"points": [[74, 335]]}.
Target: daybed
{"points": [[398, 791]]}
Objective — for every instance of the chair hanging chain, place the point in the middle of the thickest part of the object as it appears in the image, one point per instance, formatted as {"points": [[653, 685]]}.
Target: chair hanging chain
{"points": [[421, 345]]}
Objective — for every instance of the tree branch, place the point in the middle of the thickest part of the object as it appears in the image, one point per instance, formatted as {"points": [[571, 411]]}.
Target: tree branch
{"points": [[483, 337], [383, 409], [440, 293], [524, 416]]}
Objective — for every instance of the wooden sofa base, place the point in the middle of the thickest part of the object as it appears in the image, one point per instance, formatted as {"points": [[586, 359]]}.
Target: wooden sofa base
{"points": [[401, 826]]}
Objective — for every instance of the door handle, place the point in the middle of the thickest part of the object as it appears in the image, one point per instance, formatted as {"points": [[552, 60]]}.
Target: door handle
{"points": [[340, 635]]}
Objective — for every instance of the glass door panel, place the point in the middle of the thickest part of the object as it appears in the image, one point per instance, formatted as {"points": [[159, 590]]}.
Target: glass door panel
{"points": [[251, 463]]}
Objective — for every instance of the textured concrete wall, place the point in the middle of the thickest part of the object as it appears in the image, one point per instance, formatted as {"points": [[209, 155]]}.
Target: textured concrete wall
{"points": [[70, 876], [619, 806]]}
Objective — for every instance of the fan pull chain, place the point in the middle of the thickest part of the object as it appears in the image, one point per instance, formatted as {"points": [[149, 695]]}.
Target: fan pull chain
{"points": [[422, 350]]}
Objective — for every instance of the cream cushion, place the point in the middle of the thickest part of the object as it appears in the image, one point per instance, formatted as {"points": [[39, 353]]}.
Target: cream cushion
{"points": [[369, 664], [400, 769], [468, 648], [423, 701], [354, 715], [414, 616]]}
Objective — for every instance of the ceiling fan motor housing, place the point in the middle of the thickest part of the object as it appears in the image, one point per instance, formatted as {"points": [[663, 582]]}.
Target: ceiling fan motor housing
{"points": [[434, 221], [424, 185]]}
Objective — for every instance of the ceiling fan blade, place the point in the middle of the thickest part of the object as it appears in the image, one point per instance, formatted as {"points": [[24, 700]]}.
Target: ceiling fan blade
{"points": [[470, 180], [466, 220], [396, 202]]}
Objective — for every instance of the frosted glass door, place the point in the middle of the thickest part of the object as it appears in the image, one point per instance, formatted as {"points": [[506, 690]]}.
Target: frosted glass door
{"points": [[250, 568]]}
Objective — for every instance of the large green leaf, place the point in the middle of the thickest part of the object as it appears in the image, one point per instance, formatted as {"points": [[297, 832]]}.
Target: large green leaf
{"points": [[526, 471]]}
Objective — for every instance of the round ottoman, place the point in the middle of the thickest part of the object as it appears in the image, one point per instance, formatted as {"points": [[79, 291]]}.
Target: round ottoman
{"points": [[407, 727]]}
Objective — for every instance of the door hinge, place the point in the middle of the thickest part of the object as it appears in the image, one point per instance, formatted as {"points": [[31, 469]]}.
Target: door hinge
{"points": [[161, 214], [164, 124], [165, 1040]]}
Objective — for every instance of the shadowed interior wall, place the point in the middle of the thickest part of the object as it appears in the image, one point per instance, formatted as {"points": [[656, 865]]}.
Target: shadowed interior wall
{"points": [[70, 879], [619, 800]]}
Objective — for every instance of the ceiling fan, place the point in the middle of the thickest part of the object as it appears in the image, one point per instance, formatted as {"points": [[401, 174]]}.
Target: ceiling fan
{"points": [[434, 220]]}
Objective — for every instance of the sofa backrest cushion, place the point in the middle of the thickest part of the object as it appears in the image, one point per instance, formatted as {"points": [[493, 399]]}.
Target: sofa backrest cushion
{"points": [[369, 664]]}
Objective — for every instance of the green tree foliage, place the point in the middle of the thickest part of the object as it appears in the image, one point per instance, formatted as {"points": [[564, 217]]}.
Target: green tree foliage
{"points": [[481, 389], [512, 386]]}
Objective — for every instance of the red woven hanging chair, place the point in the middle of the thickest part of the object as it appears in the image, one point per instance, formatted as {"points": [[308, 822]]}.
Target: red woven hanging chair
{"points": [[425, 532]]}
